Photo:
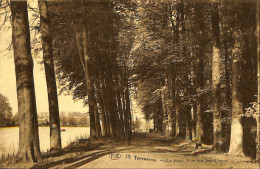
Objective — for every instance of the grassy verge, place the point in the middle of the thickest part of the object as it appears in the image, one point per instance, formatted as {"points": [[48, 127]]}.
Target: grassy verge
{"points": [[74, 148]]}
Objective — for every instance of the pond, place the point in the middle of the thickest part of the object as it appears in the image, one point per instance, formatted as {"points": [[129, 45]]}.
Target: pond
{"points": [[9, 137]]}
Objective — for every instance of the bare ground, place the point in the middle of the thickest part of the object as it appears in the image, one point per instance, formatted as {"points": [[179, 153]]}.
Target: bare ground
{"points": [[146, 151]]}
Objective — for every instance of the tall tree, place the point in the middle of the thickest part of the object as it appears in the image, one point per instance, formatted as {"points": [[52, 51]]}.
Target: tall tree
{"points": [[55, 138], [200, 59], [216, 77], [29, 147], [85, 64], [236, 139]]}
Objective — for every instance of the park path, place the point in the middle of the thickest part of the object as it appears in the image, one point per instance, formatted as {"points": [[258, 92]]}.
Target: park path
{"points": [[147, 150], [152, 151]]}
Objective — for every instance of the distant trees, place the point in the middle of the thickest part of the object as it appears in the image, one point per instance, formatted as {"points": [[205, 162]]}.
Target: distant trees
{"points": [[29, 148], [5, 112], [75, 118], [137, 124]]}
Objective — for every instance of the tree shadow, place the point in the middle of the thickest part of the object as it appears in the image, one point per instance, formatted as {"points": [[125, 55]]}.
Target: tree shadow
{"points": [[99, 151], [88, 158], [79, 148], [92, 158]]}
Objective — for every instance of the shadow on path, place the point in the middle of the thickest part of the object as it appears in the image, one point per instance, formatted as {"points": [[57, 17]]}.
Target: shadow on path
{"points": [[63, 161], [73, 149], [92, 158], [78, 161], [71, 159]]}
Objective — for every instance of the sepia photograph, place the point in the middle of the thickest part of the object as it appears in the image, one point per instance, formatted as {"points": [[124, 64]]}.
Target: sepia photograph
{"points": [[130, 84]]}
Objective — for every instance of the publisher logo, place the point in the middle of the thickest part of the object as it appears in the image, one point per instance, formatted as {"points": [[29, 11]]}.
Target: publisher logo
{"points": [[114, 156]]}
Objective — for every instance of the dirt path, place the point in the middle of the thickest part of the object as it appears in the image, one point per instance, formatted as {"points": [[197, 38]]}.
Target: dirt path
{"points": [[158, 153], [146, 151]]}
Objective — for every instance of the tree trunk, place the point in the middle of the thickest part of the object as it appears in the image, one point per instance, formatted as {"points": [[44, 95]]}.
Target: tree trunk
{"points": [[128, 108], [114, 116], [29, 148], [193, 129], [97, 119], [177, 122], [217, 135], [124, 111], [155, 120], [89, 83], [106, 105], [187, 125], [200, 100], [199, 126], [186, 88], [173, 91], [258, 61], [55, 138], [85, 65], [175, 40], [200, 24], [120, 110], [236, 139], [112, 105], [126, 115], [102, 108], [227, 74]]}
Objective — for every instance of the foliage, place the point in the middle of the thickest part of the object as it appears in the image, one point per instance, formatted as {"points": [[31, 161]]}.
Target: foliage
{"points": [[252, 110], [6, 113]]}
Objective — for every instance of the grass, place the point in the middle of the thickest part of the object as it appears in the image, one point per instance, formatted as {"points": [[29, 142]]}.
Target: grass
{"points": [[7, 154], [7, 157], [77, 140]]}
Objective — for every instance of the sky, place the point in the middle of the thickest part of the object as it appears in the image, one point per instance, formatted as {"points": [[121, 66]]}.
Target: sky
{"points": [[8, 81]]}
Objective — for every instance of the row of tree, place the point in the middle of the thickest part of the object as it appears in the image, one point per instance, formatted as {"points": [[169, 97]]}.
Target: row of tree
{"points": [[196, 71], [90, 64], [192, 66]]}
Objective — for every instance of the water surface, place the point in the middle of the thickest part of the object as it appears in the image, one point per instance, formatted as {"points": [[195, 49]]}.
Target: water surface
{"points": [[9, 137]]}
